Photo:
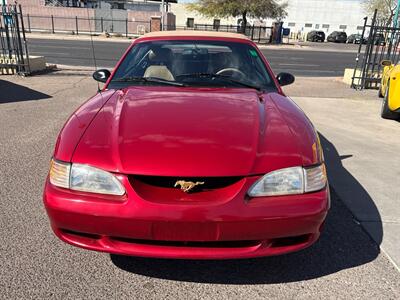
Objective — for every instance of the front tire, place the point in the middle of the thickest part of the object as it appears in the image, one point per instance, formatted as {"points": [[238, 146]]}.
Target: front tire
{"points": [[386, 113]]}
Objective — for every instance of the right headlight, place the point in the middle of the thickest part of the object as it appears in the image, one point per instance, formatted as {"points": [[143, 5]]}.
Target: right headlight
{"points": [[84, 178], [290, 181]]}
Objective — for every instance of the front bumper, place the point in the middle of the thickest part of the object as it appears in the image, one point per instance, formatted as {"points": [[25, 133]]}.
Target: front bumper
{"points": [[235, 227]]}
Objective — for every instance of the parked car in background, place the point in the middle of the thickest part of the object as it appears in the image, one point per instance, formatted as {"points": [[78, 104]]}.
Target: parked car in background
{"points": [[390, 91], [337, 37], [316, 36], [356, 39], [379, 39]]}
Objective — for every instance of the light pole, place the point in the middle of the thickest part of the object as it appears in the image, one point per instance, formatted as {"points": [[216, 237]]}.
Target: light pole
{"points": [[162, 14]]}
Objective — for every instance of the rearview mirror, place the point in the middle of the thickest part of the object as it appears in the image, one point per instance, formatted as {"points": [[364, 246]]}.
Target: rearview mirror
{"points": [[285, 78], [386, 63], [101, 75]]}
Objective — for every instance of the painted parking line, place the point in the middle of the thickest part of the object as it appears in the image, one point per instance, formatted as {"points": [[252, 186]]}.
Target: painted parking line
{"points": [[298, 65], [49, 53], [284, 57], [313, 71], [58, 47]]}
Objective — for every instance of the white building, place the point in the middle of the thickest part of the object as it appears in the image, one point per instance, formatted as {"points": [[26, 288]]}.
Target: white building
{"points": [[303, 16], [326, 15]]}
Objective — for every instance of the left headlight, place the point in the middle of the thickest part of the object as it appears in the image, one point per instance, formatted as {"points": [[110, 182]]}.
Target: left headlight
{"points": [[84, 178], [290, 181]]}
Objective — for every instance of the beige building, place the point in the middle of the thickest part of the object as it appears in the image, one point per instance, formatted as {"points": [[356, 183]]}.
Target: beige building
{"points": [[185, 17]]}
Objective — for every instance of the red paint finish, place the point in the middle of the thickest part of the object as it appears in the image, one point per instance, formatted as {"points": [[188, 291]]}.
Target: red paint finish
{"points": [[116, 225], [188, 132], [77, 124], [158, 130]]}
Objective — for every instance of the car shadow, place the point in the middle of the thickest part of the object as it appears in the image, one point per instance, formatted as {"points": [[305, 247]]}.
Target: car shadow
{"points": [[344, 244], [355, 197], [12, 92]]}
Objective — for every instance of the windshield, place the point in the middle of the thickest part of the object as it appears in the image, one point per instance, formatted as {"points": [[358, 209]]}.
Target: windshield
{"points": [[193, 63]]}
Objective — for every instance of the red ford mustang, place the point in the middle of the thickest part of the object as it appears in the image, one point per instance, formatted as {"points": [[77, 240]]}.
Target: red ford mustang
{"points": [[191, 150]]}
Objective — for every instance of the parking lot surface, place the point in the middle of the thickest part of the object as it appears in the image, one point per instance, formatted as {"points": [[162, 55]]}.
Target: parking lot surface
{"points": [[345, 263]]}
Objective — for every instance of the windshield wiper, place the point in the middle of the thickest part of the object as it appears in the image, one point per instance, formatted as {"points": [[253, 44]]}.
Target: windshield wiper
{"points": [[220, 76], [148, 79]]}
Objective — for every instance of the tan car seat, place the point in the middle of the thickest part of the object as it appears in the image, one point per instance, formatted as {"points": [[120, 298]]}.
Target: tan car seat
{"points": [[160, 59], [161, 72]]}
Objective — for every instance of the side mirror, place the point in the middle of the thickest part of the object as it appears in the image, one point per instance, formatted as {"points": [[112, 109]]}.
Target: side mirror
{"points": [[285, 78], [386, 63], [101, 75]]}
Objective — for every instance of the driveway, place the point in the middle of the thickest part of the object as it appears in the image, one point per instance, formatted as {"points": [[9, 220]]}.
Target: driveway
{"points": [[345, 263]]}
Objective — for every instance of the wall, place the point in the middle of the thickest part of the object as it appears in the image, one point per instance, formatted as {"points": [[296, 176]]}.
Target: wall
{"points": [[329, 12], [65, 18], [182, 13]]}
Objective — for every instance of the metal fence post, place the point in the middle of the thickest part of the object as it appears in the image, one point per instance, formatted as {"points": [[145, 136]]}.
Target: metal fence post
{"points": [[27, 63], [101, 24], [252, 32], [76, 25], [29, 24], [368, 50], [126, 27], [358, 54], [52, 24]]}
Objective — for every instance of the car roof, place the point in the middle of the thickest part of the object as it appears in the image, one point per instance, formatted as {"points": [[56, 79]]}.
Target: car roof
{"points": [[195, 33]]}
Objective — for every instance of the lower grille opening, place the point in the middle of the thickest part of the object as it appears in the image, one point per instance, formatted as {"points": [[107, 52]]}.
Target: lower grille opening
{"points": [[290, 241], [81, 234], [216, 244]]}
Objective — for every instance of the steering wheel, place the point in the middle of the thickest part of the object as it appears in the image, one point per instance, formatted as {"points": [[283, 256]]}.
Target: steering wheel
{"points": [[232, 72]]}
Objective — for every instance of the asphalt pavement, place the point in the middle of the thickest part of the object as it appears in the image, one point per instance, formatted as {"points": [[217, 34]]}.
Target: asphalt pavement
{"points": [[308, 59], [344, 264]]}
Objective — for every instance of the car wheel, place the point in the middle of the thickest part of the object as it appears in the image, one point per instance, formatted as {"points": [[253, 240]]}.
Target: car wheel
{"points": [[386, 113]]}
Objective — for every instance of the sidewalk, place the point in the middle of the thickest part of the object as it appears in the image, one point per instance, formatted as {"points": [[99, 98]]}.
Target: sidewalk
{"points": [[361, 151], [81, 37], [327, 87]]}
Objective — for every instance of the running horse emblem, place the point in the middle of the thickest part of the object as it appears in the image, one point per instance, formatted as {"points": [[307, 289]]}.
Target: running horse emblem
{"points": [[187, 186]]}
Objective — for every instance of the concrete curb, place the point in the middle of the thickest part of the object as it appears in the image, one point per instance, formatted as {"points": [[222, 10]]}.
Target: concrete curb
{"points": [[76, 68], [304, 48], [68, 37]]}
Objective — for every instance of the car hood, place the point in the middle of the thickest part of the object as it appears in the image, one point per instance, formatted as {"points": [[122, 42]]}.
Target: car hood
{"points": [[168, 131]]}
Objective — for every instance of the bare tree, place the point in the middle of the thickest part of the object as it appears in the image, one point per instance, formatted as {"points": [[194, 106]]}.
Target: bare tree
{"points": [[386, 9], [240, 8]]}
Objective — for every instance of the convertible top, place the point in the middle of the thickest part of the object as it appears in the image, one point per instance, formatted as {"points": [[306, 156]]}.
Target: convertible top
{"points": [[195, 33]]}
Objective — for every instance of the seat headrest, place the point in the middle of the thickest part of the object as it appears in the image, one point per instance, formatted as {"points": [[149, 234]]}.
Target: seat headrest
{"points": [[160, 55]]}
